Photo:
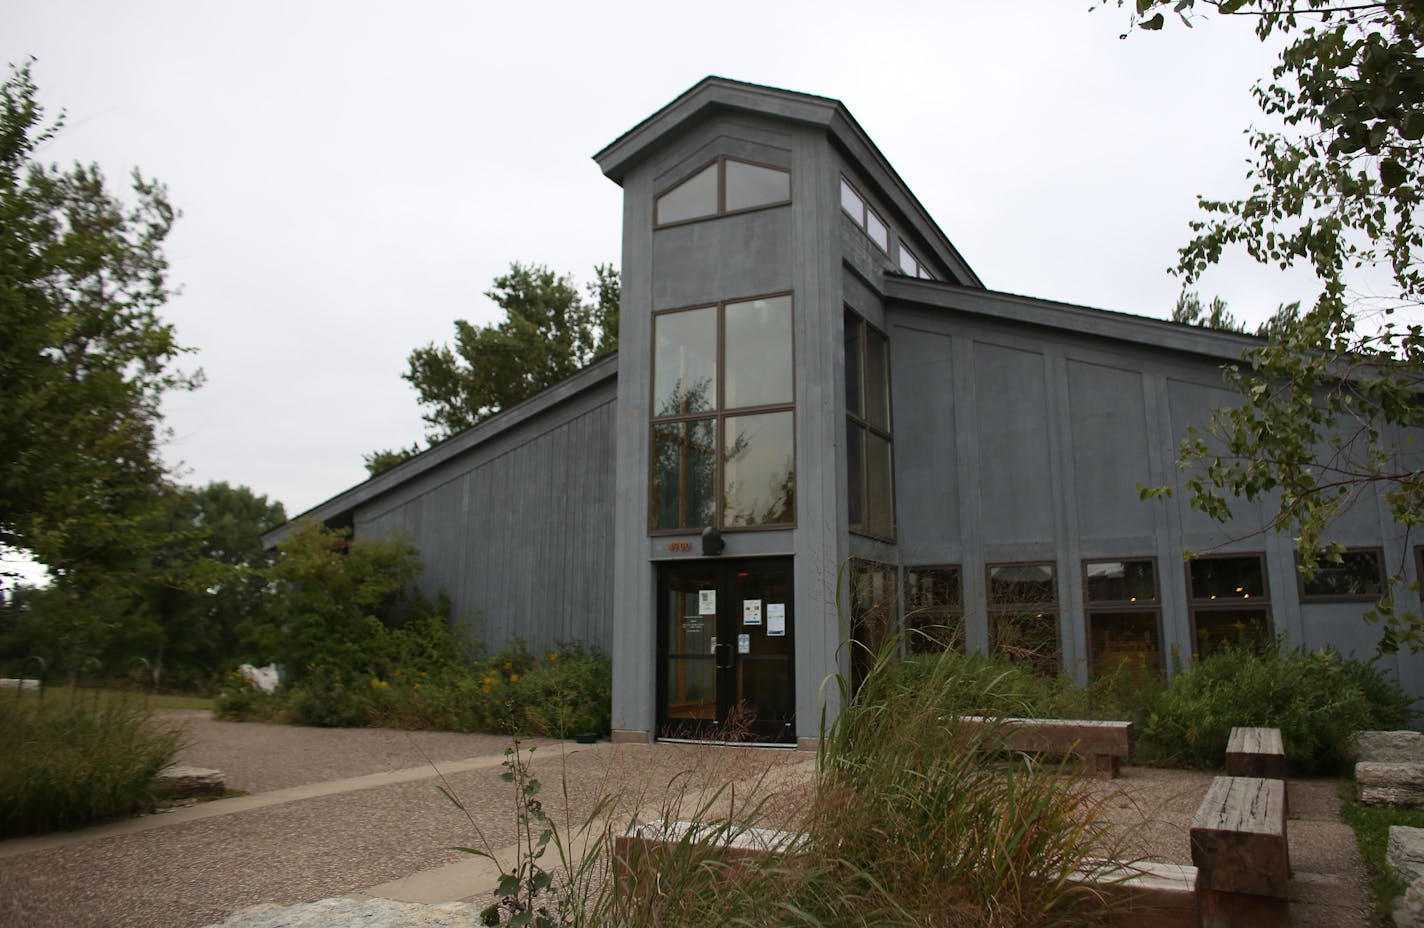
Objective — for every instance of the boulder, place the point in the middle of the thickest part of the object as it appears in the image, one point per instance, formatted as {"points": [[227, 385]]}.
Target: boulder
{"points": [[1406, 852], [1390, 747], [183, 782], [1409, 910], [1390, 784], [348, 913]]}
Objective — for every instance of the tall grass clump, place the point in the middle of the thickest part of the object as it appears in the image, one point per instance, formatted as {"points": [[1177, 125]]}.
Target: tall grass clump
{"points": [[69, 762], [1318, 699]]}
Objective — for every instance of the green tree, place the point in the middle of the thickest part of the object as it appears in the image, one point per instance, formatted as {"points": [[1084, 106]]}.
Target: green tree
{"points": [[378, 462], [1331, 400], [84, 356], [1191, 311], [548, 333]]}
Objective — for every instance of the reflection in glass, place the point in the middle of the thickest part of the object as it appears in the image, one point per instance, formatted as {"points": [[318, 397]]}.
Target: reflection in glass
{"points": [[852, 203], [758, 470], [1217, 628], [691, 689], [1122, 581], [879, 495], [750, 185], [684, 466], [877, 380], [934, 619], [691, 199], [685, 361], [874, 604], [757, 352], [1227, 578], [854, 333], [855, 474], [1118, 638], [1022, 584], [1027, 637], [1358, 575], [908, 262], [877, 231]]}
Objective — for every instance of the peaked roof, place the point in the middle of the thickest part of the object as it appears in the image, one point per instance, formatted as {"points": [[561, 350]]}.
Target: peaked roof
{"points": [[719, 94]]}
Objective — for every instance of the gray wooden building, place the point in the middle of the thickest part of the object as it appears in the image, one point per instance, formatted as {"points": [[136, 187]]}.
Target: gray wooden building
{"points": [[875, 440]]}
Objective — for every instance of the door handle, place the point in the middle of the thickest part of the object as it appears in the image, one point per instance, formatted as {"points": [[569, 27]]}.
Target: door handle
{"points": [[718, 659]]}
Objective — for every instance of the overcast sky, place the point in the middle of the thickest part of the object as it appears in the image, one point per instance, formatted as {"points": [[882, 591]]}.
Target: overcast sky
{"points": [[352, 175]]}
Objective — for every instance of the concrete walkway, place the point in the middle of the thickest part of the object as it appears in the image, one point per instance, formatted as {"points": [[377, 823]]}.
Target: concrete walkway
{"points": [[343, 812]]}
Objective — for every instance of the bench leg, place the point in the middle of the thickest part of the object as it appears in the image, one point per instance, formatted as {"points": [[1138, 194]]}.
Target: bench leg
{"points": [[1242, 910], [1103, 765]]}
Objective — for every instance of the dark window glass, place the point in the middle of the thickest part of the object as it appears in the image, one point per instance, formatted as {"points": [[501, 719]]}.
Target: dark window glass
{"points": [[855, 474], [1225, 578], [758, 472], [874, 606], [757, 352], [1122, 581], [1012, 585], [684, 471], [854, 340], [934, 614], [877, 379], [685, 364], [750, 185], [879, 487], [1125, 638], [1028, 637], [692, 199], [1358, 576]]}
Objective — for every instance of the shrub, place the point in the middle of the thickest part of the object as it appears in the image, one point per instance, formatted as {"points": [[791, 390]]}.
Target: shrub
{"points": [[1317, 699], [240, 700], [69, 762]]}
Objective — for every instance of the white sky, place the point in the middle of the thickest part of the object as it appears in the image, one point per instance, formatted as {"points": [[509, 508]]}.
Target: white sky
{"points": [[352, 175]]}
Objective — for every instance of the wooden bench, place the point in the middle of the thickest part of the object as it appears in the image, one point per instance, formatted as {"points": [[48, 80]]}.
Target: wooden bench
{"points": [[1238, 839], [1256, 752], [1138, 895], [1101, 745]]}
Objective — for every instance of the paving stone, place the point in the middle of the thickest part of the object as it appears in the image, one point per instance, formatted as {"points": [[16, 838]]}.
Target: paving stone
{"points": [[347, 913], [1390, 784], [1406, 852], [181, 781], [1390, 747]]}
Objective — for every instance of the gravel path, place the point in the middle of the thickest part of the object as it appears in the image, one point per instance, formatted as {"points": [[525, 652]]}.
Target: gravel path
{"points": [[300, 836]]}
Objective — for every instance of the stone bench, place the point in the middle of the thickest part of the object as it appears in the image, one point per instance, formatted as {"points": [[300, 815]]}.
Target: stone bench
{"points": [[1101, 745], [181, 781], [1256, 752], [1238, 839], [1396, 784]]}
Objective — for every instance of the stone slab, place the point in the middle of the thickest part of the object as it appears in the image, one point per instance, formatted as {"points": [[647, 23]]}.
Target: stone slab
{"points": [[1405, 852], [345, 913], [1390, 747], [1396, 784], [181, 781]]}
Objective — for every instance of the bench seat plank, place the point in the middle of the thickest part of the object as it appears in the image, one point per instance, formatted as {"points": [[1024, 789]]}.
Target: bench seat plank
{"points": [[1101, 744], [1256, 752], [1238, 837]]}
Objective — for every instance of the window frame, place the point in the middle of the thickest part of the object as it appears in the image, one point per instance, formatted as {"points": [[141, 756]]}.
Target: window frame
{"points": [[921, 271], [859, 420], [861, 221], [1309, 598], [718, 414], [1092, 607], [721, 162]]}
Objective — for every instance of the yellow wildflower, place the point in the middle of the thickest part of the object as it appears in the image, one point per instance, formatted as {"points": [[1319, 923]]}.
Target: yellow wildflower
{"points": [[514, 678]]}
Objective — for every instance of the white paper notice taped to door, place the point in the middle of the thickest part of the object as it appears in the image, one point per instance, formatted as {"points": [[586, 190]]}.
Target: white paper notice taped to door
{"points": [[775, 619], [706, 602], [751, 612], [744, 644]]}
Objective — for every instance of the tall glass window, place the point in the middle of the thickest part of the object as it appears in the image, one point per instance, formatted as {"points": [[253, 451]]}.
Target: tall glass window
{"points": [[934, 609], [1229, 601], [1124, 617], [870, 474], [1023, 614], [723, 442]]}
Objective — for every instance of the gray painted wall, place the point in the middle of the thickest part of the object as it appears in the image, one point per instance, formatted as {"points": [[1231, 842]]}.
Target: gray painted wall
{"points": [[518, 530]]}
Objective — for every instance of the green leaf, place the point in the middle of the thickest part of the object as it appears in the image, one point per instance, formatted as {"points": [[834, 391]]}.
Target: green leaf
{"points": [[1154, 23], [1392, 173], [508, 885]]}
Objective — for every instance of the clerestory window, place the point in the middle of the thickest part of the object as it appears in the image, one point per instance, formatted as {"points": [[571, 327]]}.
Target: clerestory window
{"points": [[723, 417], [727, 185]]}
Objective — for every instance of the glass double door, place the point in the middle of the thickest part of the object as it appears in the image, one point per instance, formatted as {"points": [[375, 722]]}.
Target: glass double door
{"points": [[725, 650]]}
